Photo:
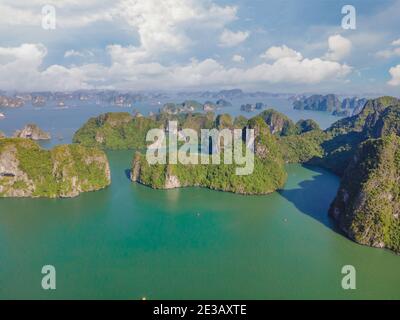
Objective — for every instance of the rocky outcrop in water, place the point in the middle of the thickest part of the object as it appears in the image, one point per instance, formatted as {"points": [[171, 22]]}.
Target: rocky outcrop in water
{"points": [[316, 102], [330, 103], [26, 170], [11, 102], [33, 132]]}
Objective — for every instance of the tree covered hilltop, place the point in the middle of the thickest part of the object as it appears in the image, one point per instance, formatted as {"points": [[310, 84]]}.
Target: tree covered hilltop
{"points": [[27, 170], [367, 206], [363, 150], [267, 176]]}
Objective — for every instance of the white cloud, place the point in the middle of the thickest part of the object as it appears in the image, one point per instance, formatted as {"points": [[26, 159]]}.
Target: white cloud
{"points": [[238, 58], [275, 53], [21, 68], [128, 70], [339, 47], [27, 54], [163, 25], [388, 53], [81, 54], [395, 74], [396, 42], [14, 16], [72, 53], [230, 38]]}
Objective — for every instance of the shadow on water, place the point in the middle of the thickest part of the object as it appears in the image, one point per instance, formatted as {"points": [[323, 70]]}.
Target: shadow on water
{"points": [[128, 173], [314, 196]]}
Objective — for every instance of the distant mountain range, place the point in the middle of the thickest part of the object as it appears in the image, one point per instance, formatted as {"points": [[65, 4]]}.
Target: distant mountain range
{"points": [[334, 103], [233, 94], [330, 103]]}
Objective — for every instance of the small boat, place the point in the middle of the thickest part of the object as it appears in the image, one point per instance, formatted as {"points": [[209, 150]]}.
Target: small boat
{"points": [[2, 116]]}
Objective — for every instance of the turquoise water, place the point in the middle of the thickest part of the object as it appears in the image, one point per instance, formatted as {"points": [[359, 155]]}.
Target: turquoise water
{"points": [[129, 241]]}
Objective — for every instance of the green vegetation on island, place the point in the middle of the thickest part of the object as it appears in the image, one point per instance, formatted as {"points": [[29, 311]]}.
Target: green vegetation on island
{"points": [[367, 206], [303, 126], [268, 175], [121, 130], [333, 148], [27, 170], [115, 131]]}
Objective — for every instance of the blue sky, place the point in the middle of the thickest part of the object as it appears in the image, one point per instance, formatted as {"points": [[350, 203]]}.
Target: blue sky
{"points": [[277, 46]]}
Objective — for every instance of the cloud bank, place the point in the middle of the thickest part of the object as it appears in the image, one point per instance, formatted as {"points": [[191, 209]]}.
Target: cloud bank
{"points": [[22, 67]]}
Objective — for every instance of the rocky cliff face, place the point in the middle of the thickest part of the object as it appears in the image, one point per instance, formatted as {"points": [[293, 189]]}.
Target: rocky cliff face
{"points": [[278, 123], [172, 182], [14, 182], [32, 131], [160, 176], [135, 168], [367, 206], [26, 170]]}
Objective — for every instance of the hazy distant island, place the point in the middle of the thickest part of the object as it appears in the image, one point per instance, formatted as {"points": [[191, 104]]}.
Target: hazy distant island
{"points": [[11, 102], [252, 107], [189, 106], [330, 103], [110, 97]]}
